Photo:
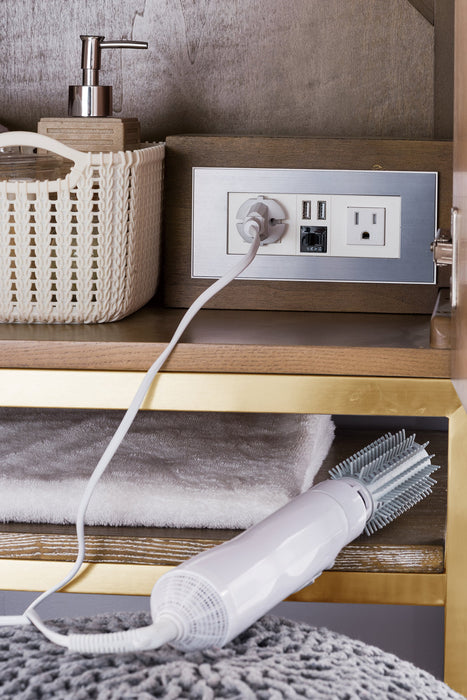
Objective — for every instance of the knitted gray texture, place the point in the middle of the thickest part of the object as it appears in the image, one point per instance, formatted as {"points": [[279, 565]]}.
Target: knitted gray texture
{"points": [[272, 660]]}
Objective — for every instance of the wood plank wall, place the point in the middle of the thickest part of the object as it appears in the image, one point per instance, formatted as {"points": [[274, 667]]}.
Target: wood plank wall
{"points": [[266, 67]]}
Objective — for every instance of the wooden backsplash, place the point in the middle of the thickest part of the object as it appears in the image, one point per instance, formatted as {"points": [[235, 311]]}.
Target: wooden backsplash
{"points": [[301, 67]]}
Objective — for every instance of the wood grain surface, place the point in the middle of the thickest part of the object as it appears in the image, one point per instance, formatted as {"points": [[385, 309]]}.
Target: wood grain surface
{"points": [[355, 68], [443, 103], [426, 8], [235, 341]]}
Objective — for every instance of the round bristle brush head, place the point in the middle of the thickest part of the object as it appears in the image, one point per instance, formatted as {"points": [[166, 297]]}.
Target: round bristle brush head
{"points": [[396, 472]]}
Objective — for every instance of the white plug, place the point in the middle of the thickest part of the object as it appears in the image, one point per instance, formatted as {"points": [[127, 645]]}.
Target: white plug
{"points": [[269, 216]]}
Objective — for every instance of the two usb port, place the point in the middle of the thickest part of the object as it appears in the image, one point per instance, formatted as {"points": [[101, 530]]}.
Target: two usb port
{"points": [[307, 209]]}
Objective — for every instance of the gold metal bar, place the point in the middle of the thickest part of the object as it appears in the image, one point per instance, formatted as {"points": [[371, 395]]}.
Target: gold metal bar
{"points": [[377, 588], [125, 579], [455, 670], [118, 579], [231, 392]]}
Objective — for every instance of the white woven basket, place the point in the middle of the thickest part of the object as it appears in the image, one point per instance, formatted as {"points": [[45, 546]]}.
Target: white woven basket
{"points": [[83, 249]]}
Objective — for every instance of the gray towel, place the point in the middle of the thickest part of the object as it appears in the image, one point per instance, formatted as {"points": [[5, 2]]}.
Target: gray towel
{"points": [[176, 469]]}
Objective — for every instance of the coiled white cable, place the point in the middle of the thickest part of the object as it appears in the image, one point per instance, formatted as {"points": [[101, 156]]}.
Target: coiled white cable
{"points": [[149, 637], [140, 636]]}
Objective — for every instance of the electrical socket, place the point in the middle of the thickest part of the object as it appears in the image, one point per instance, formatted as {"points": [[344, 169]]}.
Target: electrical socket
{"points": [[235, 243], [366, 226], [323, 225], [354, 216], [319, 240]]}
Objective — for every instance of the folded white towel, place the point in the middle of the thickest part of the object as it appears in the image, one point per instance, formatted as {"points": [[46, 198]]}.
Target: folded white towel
{"points": [[176, 469]]}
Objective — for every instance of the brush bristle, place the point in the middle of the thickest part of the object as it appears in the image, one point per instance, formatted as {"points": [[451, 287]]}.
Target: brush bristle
{"points": [[396, 471]]}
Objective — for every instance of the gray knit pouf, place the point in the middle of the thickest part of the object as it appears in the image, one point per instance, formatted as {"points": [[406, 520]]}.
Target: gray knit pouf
{"points": [[273, 659]]}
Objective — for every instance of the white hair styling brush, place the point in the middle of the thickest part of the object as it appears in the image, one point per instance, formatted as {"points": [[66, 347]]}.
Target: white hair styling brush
{"points": [[211, 598]]}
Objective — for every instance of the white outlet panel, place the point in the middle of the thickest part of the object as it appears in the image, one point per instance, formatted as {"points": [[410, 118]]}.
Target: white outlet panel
{"points": [[353, 226], [322, 239], [384, 234]]}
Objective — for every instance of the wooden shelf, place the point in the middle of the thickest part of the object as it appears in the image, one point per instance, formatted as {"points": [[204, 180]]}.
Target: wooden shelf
{"points": [[413, 543], [247, 342], [281, 342]]}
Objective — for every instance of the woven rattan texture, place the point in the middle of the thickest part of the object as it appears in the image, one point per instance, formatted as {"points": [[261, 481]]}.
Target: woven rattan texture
{"points": [[82, 254]]}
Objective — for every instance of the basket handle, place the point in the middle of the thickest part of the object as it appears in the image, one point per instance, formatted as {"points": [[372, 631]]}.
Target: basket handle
{"points": [[30, 138]]}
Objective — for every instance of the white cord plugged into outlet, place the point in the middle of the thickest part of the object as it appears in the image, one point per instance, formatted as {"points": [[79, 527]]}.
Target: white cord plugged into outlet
{"points": [[139, 638], [269, 216]]}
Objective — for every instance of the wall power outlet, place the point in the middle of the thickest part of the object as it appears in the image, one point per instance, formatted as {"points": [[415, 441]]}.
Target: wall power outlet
{"points": [[325, 225], [366, 226], [332, 225]]}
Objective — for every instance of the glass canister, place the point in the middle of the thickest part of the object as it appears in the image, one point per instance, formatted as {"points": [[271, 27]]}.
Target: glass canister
{"points": [[17, 163]]}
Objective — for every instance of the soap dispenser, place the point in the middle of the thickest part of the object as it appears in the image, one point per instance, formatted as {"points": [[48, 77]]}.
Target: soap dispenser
{"points": [[90, 125]]}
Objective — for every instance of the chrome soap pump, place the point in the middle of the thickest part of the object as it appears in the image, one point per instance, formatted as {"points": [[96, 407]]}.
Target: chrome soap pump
{"points": [[91, 99], [90, 125]]}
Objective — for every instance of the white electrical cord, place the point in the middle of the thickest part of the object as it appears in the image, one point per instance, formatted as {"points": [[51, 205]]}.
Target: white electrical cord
{"points": [[139, 638]]}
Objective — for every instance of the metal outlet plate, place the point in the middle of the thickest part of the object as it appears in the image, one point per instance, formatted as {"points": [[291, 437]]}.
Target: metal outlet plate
{"points": [[418, 221]]}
